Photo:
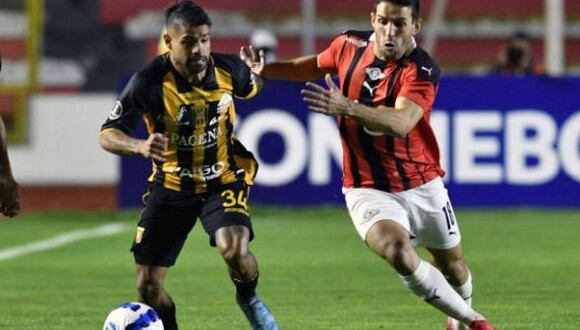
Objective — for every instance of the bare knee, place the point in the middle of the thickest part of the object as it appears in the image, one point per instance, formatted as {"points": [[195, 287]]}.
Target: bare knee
{"points": [[231, 252], [391, 242], [399, 254]]}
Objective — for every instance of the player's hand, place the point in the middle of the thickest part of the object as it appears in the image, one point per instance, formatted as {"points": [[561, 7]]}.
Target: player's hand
{"points": [[326, 101], [154, 147], [9, 196], [253, 58]]}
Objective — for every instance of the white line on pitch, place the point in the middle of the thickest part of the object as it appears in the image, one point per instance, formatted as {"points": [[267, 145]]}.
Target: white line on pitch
{"points": [[60, 240]]}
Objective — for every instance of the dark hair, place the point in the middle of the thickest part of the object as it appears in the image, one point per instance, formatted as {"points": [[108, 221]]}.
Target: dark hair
{"points": [[186, 13], [414, 4]]}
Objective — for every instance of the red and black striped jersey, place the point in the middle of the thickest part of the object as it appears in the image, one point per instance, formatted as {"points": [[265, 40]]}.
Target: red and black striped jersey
{"points": [[380, 161], [203, 152]]}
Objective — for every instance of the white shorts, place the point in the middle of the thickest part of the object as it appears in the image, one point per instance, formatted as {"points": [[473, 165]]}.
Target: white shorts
{"points": [[425, 212]]}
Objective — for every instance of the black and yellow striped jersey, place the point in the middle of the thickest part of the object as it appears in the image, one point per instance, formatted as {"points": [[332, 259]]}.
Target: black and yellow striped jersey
{"points": [[203, 152]]}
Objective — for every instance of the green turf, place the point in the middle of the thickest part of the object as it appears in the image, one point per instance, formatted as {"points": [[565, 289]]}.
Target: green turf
{"points": [[315, 273]]}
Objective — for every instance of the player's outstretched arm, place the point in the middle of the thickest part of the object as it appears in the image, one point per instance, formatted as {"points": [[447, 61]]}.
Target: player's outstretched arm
{"points": [[9, 188], [303, 68], [117, 142]]}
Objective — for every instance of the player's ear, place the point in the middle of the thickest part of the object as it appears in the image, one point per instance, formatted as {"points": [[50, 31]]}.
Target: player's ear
{"points": [[372, 17], [167, 40], [417, 25]]}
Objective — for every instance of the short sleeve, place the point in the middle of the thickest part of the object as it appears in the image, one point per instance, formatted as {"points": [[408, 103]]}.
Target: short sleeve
{"points": [[420, 91], [243, 82], [328, 58], [130, 106]]}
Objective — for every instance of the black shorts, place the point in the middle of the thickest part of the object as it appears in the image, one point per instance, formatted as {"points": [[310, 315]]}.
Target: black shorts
{"points": [[169, 216]]}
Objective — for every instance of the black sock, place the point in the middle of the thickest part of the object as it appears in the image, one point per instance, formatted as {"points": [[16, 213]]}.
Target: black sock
{"points": [[245, 291], [167, 315]]}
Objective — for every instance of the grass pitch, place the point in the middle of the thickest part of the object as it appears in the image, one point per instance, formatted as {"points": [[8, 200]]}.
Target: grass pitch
{"points": [[315, 273]]}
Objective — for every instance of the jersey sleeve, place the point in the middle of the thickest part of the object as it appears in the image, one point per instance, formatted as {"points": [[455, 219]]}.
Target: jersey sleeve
{"points": [[328, 58], [417, 89], [130, 106], [243, 83]]}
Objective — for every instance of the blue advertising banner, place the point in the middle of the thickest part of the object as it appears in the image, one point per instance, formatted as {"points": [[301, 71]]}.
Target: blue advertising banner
{"points": [[504, 141]]}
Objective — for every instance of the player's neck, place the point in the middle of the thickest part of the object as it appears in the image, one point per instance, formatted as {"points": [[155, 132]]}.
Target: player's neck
{"points": [[192, 77]]}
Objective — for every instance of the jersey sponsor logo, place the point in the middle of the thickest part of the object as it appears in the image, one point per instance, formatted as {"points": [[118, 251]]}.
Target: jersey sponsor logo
{"points": [[357, 42], [370, 89], [428, 70], [224, 103], [205, 140], [203, 173], [213, 121], [117, 111], [184, 115]]}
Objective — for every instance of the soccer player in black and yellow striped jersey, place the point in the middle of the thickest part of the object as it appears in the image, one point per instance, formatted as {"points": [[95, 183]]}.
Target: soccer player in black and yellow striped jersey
{"points": [[200, 170]]}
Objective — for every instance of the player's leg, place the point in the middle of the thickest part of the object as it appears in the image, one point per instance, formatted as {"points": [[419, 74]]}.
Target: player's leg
{"points": [[390, 241], [451, 263], [165, 222], [226, 219], [436, 228], [151, 290], [232, 244], [382, 220]]}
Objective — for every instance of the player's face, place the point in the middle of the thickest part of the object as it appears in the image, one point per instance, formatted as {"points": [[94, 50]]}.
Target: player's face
{"points": [[189, 47], [394, 30]]}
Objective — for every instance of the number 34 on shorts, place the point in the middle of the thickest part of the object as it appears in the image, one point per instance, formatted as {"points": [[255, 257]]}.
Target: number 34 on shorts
{"points": [[235, 200]]}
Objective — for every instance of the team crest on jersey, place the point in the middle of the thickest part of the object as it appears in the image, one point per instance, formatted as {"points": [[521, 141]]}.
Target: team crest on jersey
{"points": [[184, 115], [375, 73], [224, 103], [200, 116], [117, 111]]}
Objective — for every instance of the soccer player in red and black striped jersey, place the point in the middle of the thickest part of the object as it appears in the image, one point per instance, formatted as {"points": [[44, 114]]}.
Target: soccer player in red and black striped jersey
{"points": [[391, 174], [200, 169], [9, 188]]}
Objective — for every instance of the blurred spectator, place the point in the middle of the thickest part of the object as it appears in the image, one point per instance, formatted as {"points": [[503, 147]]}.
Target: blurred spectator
{"points": [[9, 188], [517, 58], [265, 41]]}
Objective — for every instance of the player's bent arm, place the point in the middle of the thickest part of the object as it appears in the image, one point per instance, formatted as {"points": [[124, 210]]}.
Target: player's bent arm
{"points": [[303, 68], [116, 141], [397, 121]]}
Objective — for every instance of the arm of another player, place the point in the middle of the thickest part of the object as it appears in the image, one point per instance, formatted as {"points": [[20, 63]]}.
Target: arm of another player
{"points": [[397, 121], [116, 141], [9, 188], [298, 69]]}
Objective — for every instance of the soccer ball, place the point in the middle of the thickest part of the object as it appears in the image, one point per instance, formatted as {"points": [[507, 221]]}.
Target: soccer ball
{"points": [[134, 316]]}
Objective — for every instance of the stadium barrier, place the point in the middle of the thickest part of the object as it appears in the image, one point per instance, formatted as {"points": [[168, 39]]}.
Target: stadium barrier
{"points": [[505, 142]]}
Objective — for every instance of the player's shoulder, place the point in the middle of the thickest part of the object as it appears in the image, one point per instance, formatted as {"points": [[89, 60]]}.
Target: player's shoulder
{"points": [[228, 62], [154, 71], [157, 68], [427, 67], [362, 35], [355, 37]]}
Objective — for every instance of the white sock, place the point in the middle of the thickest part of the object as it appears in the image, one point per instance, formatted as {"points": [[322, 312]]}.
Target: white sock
{"points": [[466, 292], [429, 284]]}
